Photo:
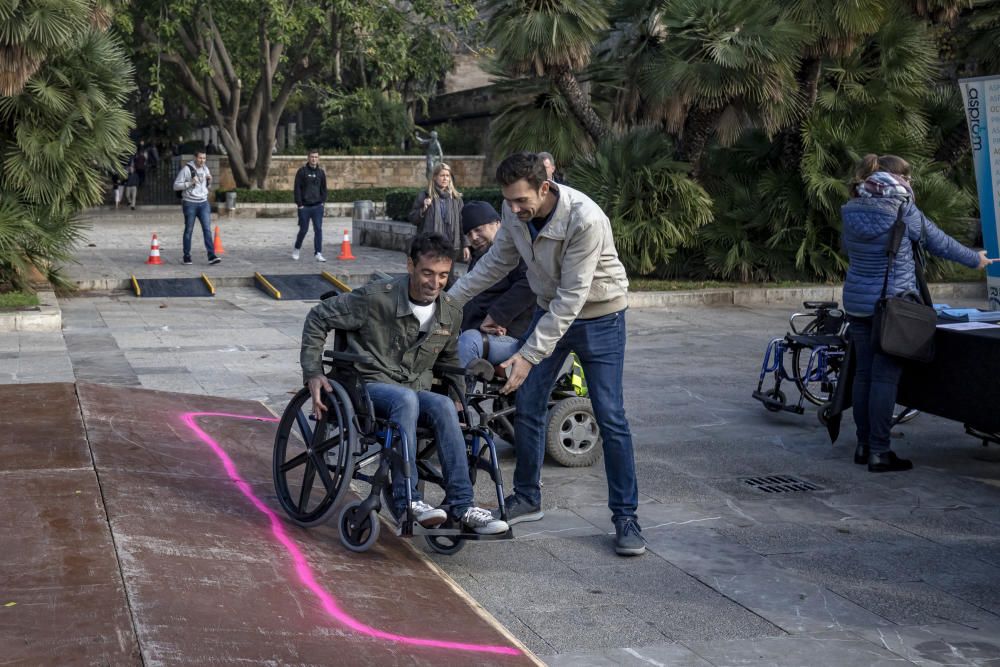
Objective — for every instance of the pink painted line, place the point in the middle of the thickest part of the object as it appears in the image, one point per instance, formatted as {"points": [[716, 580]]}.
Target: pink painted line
{"points": [[302, 567]]}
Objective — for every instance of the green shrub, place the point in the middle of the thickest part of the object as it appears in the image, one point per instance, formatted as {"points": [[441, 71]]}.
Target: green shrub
{"points": [[361, 118], [399, 202], [287, 196]]}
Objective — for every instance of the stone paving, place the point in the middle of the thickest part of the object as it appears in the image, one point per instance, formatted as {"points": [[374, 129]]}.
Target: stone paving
{"points": [[868, 570]]}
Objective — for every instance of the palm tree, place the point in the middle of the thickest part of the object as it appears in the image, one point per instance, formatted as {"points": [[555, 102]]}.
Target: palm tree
{"points": [[550, 38], [722, 68], [62, 128], [655, 208]]}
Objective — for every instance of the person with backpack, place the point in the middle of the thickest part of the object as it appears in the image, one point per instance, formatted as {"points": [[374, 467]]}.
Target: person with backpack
{"points": [[192, 183]]}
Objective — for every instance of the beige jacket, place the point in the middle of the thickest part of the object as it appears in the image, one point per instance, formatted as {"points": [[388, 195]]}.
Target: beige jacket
{"points": [[573, 268]]}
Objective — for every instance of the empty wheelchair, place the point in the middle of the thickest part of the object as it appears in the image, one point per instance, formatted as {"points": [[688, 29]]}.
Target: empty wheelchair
{"points": [[810, 356], [341, 463]]}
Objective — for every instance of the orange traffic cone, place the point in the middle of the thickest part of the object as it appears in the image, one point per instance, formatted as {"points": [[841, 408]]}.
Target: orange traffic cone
{"points": [[154, 251], [345, 247], [218, 249]]}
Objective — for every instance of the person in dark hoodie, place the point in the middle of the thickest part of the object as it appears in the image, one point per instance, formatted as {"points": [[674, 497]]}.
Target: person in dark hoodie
{"points": [[310, 197], [881, 188], [494, 320]]}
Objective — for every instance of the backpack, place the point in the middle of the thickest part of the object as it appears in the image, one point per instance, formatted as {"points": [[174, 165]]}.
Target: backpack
{"points": [[180, 193]]}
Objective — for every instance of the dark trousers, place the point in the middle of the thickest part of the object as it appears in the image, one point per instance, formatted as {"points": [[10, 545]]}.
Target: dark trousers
{"points": [[314, 213], [876, 380]]}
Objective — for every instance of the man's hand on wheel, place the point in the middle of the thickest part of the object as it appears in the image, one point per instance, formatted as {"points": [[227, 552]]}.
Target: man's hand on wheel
{"points": [[517, 368], [316, 386]]}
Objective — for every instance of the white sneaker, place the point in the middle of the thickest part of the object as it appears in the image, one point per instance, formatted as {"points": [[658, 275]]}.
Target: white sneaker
{"points": [[295, 253], [482, 521], [427, 515], [320, 257]]}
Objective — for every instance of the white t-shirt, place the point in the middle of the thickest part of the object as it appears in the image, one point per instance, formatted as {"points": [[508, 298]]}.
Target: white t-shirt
{"points": [[424, 314]]}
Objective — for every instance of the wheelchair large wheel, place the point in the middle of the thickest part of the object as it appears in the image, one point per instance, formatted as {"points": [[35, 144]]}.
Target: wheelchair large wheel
{"points": [[307, 450], [818, 388], [446, 545], [358, 530], [572, 438]]}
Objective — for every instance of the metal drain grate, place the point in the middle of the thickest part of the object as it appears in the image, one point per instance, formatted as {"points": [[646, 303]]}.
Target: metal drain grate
{"points": [[781, 484]]}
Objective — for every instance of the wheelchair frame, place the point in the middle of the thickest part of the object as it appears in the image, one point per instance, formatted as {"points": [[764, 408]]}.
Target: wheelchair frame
{"points": [[348, 439], [818, 333]]}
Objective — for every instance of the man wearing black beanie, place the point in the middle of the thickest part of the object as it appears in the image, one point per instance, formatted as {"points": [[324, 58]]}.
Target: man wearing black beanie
{"points": [[493, 320]]}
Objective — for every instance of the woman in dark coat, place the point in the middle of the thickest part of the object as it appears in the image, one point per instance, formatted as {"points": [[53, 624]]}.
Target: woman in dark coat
{"points": [[439, 209], [881, 189]]}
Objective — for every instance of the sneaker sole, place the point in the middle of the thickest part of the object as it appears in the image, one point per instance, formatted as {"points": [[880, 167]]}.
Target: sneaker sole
{"points": [[495, 530], [433, 521], [531, 516], [635, 551]]}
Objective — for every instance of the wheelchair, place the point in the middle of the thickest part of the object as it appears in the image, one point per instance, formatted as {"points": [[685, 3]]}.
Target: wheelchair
{"points": [[350, 449], [810, 356], [572, 436]]}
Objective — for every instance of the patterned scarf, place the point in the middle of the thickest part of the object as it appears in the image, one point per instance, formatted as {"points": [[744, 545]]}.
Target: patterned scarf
{"points": [[884, 184]]}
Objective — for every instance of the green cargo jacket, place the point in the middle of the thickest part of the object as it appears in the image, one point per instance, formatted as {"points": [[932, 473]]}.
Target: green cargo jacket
{"points": [[376, 320]]}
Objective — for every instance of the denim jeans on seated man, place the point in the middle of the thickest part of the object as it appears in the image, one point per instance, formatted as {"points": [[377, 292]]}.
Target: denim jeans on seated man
{"points": [[470, 346], [405, 407], [599, 343], [202, 211]]}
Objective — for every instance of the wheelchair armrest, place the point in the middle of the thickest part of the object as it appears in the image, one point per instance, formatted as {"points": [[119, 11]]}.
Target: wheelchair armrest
{"points": [[347, 357], [448, 369], [478, 368]]}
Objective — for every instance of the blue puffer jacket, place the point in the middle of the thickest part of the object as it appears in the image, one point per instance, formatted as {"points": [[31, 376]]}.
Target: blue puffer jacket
{"points": [[867, 224]]}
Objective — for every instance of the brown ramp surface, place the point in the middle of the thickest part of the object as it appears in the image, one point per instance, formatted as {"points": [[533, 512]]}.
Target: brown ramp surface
{"points": [[212, 571]]}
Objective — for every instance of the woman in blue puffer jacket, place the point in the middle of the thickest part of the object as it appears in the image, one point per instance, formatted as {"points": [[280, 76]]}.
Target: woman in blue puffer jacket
{"points": [[881, 187]]}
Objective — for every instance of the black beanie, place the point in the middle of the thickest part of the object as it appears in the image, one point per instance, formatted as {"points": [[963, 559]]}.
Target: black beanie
{"points": [[477, 213]]}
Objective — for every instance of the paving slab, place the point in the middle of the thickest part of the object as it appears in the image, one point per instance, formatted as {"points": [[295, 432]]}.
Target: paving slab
{"points": [[844, 649], [941, 644]]}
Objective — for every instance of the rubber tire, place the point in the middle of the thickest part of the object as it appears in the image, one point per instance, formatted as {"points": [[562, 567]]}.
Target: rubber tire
{"points": [[777, 394], [297, 409], [369, 527], [824, 414], [440, 544], [563, 412]]}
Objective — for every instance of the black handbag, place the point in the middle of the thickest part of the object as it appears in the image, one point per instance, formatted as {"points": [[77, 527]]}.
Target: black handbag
{"points": [[904, 326]]}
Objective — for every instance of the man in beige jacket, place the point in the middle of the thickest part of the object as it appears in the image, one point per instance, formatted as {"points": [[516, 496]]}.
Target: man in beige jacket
{"points": [[582, 292]]}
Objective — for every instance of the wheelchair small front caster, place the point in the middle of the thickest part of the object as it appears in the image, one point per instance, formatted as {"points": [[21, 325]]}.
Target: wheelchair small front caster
{"points": [[776, 400], [358, 532], [446, 545]]}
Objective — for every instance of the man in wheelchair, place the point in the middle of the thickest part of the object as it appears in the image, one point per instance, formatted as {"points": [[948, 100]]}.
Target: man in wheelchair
{"points": [[494, 319], [405, 326]]}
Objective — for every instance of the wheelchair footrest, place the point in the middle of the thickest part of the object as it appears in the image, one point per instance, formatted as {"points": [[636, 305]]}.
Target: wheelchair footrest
{"points": [[450, 529], [775, 404]]}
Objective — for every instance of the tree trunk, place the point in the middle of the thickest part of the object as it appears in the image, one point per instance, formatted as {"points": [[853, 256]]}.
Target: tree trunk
{"points": [[698, 129], [790, 138], [579, 103]]}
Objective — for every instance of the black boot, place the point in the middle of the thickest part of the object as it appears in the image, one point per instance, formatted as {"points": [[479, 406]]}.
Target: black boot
{"points": [[887, 462], [861, 454]]}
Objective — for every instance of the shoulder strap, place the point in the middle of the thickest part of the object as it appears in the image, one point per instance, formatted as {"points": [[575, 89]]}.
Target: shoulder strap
{"points": [[892, 247]]}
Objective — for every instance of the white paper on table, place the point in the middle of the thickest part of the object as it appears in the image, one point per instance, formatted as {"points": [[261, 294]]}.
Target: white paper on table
{"points": [[967, 326]]}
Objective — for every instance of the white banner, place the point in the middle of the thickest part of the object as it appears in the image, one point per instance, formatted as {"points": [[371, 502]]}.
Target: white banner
{"points": [[981, 96]]}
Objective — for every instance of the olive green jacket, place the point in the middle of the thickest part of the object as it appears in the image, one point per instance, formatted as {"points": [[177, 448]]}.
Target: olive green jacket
{"points": [[376, 320]]}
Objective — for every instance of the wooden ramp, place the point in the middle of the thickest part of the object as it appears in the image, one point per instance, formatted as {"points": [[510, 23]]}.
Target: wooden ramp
{"points": [[146, 532]]}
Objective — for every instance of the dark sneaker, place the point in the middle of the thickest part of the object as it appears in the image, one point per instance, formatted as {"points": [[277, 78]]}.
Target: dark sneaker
{"points": [[628, 538], [187, 259], [861, 454], [519, 510], [483, 522], [214, 259], [427, 515], [887, 462]]}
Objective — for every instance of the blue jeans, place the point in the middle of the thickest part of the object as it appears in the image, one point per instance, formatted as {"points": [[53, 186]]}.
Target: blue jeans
{"points": [[876, 380], [405, 407], [470, 346], [202, 211], [600, 345], [314, 213]]}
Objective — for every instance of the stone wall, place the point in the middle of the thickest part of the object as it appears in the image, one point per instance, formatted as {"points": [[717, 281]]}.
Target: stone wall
{"points": [[363, 171]]}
